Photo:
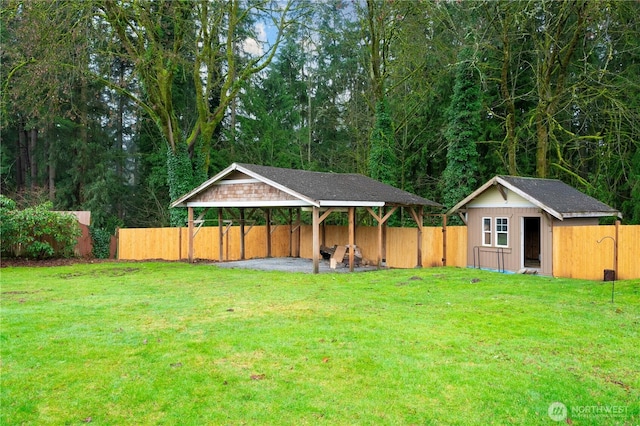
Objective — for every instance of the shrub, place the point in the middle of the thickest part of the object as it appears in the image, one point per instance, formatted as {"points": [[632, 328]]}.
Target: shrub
{"points": [[101, 241], [37, 232], [7, 207]]}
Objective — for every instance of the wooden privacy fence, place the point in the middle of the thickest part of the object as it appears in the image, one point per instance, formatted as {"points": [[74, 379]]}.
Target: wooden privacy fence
{"points": [[576, 250], [586, 251], [401, 247], [84, 247]]}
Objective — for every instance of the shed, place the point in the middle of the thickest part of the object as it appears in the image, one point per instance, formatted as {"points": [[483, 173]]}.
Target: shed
{"points": [[249, 186], [510, 221]]}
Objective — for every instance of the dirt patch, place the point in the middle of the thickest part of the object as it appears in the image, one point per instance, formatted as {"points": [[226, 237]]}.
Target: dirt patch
{"points": [[21, 295], [112, 272], [31, 263], [46, 263], [18, 292], [24, 292]]}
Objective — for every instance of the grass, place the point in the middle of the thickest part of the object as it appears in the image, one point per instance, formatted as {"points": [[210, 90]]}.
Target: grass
{"points": [[172, 343]]}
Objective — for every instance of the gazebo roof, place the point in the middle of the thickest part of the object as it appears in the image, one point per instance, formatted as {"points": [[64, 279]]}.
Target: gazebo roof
{"points": [[301, 188]]}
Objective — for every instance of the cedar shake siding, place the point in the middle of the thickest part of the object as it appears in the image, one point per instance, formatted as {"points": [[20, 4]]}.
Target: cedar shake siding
{"points": [[242, 192]]}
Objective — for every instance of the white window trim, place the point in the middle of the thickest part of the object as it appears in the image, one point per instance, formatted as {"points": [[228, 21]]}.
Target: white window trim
{"points": [[490, 231], [502, 232]]}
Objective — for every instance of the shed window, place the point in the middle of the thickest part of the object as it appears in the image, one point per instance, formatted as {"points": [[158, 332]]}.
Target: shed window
{"points": [[502, 232], [486, 231]]}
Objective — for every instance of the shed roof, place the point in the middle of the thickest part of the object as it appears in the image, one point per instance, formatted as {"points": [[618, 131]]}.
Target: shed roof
{"points": [[319, 189], [553, 196]]}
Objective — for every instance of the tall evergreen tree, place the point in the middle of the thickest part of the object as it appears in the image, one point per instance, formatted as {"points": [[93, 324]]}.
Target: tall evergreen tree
{"points": [[460, 176], [270, 126], [383, 161]]}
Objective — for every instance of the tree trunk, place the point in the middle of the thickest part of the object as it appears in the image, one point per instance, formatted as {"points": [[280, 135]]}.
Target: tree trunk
{"points": [[510, 120], [22, 160], [542, 145], [557, 45], [120, 137], [33, 140], [51, 168], [375, 69]]}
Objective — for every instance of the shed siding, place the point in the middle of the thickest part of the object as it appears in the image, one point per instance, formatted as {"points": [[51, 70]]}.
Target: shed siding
{"points": [[493, 198], [242, 192], [488, 257]]}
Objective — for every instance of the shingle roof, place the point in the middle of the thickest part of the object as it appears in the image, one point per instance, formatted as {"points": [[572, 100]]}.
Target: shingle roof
{"points": [[552, 195], [559, 196], [350, 188]]}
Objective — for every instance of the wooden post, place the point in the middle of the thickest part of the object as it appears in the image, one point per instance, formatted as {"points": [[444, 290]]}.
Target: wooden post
{"points": [[316, 239], [290, 232], [298, 231], [444, 240], [383, 238], [352, 237], [419, 221], [615, 250], [242, 254], [418, 217], [552, 247], [190, 225], [114, 253], [267, 215], [380, 235], [381, 224], [220, 234]]}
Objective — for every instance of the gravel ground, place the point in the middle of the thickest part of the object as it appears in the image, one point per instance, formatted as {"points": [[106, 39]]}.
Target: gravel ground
{"points": [[289, 264]]}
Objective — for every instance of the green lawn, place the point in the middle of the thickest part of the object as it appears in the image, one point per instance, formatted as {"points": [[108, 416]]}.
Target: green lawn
{"points": [[173, 343]]}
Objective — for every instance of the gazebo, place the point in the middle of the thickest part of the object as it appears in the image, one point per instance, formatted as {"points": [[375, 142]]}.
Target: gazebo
{"points": [[249, 186]]}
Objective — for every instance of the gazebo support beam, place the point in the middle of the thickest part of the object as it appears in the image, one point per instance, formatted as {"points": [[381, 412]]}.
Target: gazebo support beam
{"points": [[317, 219], [315, 224], [242, 250], [297, 231], [192, 231], [420, 223], [267, 215], [290, 211], [352, 236], [418, 217], [381, 221], [220, 234]]}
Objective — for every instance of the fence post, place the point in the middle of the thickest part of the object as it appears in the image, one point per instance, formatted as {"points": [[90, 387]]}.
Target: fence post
{"points": [[179, 243], [444, 240], [190, 224], [615, 250]]}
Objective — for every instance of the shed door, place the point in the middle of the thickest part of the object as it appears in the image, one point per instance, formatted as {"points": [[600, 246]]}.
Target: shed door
{"points": [[531, 242]]}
